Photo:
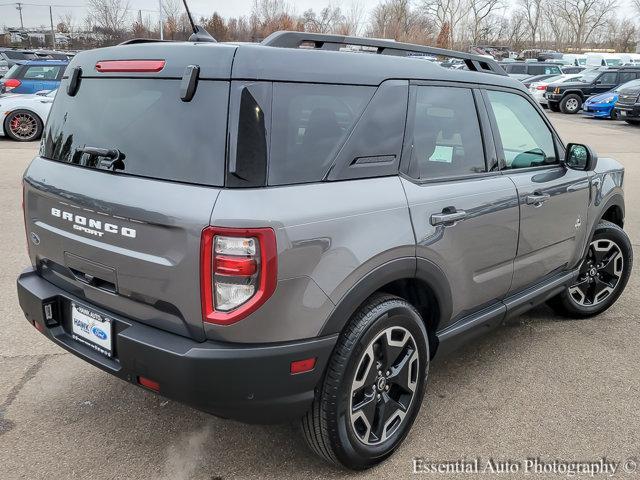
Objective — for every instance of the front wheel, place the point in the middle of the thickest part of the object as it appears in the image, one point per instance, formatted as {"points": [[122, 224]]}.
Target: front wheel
{"points": [[603, 275], [571, 104], [373, 387]]}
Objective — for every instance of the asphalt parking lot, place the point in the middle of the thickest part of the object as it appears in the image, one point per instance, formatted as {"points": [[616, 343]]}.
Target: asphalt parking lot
{"points": [[539, 387]]}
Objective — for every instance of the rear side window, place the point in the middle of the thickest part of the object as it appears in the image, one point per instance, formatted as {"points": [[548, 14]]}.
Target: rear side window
{"points": [[14, 72], [310, 122], [42, 72], [516, 69], [627, 77], [160, 136], [446, 134]]}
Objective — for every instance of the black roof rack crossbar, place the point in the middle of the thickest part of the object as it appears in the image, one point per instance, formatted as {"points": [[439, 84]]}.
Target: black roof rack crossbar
{"points": [[383, 47]]}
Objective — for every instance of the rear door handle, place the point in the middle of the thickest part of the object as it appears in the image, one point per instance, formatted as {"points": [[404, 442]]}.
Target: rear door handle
{"points": [[537, 199], [448, 219]]}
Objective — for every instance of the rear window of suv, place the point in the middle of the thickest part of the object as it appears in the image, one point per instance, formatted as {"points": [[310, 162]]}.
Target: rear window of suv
{"points": [[160, 136]]}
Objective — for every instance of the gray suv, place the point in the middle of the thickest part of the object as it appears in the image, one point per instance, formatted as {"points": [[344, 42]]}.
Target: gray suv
{"points": [[295, 229]]}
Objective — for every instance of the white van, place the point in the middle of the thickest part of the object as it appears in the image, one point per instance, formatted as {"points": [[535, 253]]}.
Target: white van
{"points": [[603, 60]]}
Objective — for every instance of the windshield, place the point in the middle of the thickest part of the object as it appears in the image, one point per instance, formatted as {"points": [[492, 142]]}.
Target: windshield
{"points": [[589, 77], [13, 72], [631, 84], [19, 55], [557, 78], [613, 62]]}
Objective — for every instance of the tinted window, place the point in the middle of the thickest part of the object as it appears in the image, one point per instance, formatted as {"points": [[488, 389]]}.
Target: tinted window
{"points": [[526, 139], [608, 78], [446, 134], [309, 124], [516, 69], [627, 77], [42, 72], [160, 135]]}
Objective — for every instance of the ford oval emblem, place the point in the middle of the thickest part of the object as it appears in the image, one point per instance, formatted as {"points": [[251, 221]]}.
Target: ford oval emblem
{"points": [[99, 333], [35, 239]]}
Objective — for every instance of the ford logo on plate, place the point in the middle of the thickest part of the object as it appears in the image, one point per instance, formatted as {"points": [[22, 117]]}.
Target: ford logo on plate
{"points": [[99, 333]]}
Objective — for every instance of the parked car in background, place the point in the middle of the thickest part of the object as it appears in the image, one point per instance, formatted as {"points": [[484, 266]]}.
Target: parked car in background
{"points": [[524, 70], [602, 106], [536, 79], [568, 97], [22, 117], [628, 105], [572, 69], [538, 89], [630, 58], [4, 67], [603, 60], [34, 75], [578, 60], [12, 55]]}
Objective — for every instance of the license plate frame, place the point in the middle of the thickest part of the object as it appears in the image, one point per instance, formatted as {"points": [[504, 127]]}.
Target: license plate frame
{"points": [[92, 329]]}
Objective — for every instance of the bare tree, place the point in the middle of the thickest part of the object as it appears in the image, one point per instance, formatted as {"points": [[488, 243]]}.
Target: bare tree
{"points": [[584, 17], [447, 15], [108, 17], [353, 18], [172, 9], [636, 4], [327, 21], [268, 16], [480, 12], [532, 11]]}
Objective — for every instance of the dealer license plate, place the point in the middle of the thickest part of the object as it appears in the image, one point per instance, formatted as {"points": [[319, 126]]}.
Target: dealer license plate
{"points": [[91, 329]]}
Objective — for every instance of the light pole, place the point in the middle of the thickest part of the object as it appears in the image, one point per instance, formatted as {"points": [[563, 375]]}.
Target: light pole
{"points": [[161, 22]]}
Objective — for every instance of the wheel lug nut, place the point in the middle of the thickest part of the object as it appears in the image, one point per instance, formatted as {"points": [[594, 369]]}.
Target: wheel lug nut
{"points": [[388, 373], [387, 388], [379, 397]]}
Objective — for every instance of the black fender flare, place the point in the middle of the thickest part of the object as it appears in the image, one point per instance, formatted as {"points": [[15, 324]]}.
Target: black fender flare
{"points": [[397, 269], [580, 93], [615, 200]]}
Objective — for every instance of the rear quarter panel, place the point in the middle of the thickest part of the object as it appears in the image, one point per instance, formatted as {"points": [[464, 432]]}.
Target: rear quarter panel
{"points": [[329, 236]]}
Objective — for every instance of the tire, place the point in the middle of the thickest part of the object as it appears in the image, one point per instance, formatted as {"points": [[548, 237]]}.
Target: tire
{"points": [[633, 122], [23, 126], [334, 427], [571, 104], [613, 115], [554, 107], [613, 277]]}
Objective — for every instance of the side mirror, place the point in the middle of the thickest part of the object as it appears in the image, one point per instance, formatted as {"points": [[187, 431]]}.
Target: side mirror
{"points": [[580, 157]]}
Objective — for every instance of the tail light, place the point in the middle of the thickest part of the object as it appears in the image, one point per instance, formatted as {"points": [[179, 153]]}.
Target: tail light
{"points": [[541, 87], [12, 83], [238, 272]]}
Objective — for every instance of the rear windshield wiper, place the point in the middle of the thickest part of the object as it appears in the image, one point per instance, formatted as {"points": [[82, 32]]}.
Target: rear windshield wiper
{"points": [[103, 158]]}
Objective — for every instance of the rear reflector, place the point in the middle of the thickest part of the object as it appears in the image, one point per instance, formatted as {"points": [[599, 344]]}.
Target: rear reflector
{"points": [[302, 366], [148, 383], [129, 66], [39, 327]]}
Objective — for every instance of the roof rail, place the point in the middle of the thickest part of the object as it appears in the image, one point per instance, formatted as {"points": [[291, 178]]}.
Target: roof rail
{"points": [[134, 41], [321, 41]]}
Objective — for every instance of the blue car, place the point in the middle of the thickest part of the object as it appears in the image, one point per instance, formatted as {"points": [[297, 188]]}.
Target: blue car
{"points": [[601, 106], [32, 76]]}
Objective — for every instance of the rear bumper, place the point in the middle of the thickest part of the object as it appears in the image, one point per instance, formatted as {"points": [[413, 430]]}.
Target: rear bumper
{"points": [[249, 383]]}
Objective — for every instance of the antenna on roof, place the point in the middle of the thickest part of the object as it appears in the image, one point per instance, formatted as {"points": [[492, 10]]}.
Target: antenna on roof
{"points": [[199, 33]]}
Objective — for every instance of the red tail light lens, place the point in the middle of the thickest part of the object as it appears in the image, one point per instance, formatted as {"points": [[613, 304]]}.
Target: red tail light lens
{"points": [[148, 383], [541, 87], [238, 272], [12, 83], [130, 66]]}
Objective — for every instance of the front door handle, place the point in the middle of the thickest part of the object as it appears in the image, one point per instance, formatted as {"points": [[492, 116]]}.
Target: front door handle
{"points": [[448, 218], [537, 199]]}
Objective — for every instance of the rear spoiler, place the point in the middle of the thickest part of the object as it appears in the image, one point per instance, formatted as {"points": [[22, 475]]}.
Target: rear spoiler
{"points": [[319, 41]]}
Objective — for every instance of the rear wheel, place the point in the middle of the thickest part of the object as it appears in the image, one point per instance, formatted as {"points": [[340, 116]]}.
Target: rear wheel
{"points": [[571, 104], [373, 387], [603, 275], [23, 126]]}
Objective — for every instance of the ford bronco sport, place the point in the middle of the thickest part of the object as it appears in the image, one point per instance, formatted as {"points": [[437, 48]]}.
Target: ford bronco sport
{"points": [[294, 229]]}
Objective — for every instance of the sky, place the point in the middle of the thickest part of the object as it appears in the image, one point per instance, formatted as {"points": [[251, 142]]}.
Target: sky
{"points": [[36, 12]]}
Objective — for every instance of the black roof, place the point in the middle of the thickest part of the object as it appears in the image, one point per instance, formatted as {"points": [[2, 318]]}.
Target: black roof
{"points": [[313, 65]]}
